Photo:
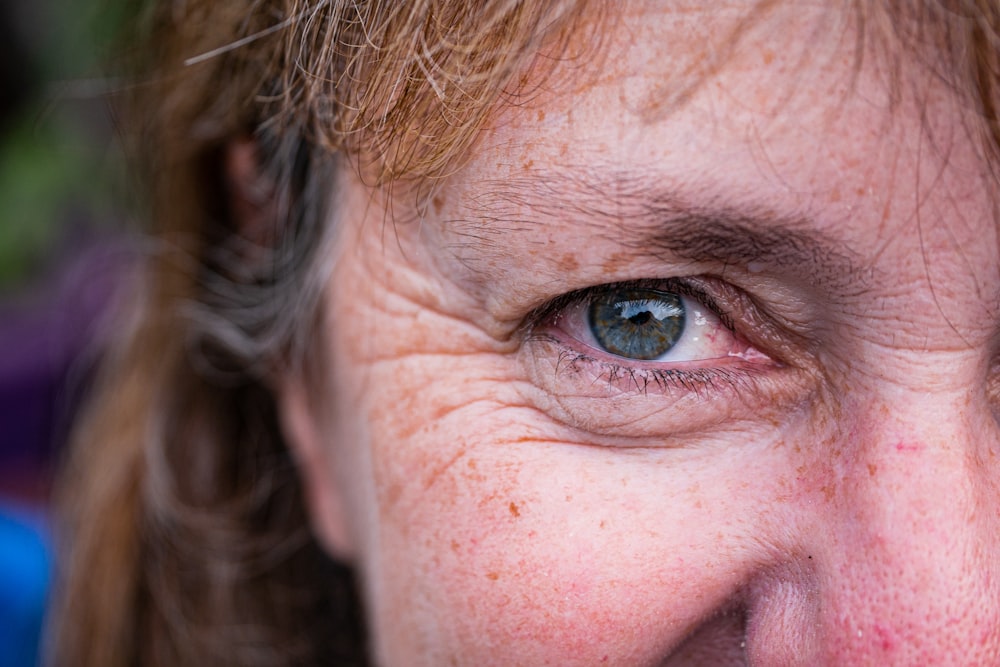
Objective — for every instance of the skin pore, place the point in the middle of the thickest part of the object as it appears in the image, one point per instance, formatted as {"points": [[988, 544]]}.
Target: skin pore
{"points": [[812, 482]]}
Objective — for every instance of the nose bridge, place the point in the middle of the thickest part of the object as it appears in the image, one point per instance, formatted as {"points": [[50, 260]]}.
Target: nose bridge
{"points": [[910, 574]]}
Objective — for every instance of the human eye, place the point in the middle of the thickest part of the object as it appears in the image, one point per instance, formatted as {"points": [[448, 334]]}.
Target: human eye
{"points": [[694, 342], [673, 324], [655, 325]]}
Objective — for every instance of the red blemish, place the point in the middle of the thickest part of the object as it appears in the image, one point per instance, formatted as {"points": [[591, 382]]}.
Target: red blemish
{"points": [[907, 447], [884, 638]]}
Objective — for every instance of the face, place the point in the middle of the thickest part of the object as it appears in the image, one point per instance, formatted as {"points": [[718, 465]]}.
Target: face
{"points": [[692, 362]]}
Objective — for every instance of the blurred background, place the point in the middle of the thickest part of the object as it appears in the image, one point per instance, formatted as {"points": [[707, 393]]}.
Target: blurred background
{"points": [[63, 244]]}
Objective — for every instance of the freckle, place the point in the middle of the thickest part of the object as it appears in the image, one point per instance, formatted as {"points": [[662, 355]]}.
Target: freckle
{"points": [[455, 545], [472, 463], [603, 524], [569, 498], [768, 56], [614, 262], [568, 263], [885, 637], [514, 510], [541, 115], [872, 469], [438, 202], [492, 576]]}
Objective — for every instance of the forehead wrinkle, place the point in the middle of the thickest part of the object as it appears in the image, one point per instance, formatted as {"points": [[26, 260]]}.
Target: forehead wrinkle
{"points": [[628, 211]]}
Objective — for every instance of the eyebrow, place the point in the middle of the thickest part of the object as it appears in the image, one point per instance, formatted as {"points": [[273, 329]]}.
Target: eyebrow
{"points": [[649, 220], [746, 237]]}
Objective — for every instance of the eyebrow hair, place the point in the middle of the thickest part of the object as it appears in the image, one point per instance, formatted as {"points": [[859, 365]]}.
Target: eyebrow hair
{"points": [[746, 237], [650, 220]]}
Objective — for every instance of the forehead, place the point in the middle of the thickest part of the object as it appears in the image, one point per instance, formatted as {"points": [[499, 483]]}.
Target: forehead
{"points": [[782, 114], [721, 73], [729, 95]]}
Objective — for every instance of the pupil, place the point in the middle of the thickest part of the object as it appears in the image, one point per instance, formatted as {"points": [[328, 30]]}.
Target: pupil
{"points": [[641, 324], [641, 318]]}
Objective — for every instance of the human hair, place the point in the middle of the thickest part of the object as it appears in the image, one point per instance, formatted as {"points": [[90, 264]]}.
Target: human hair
{"points": [[189, 539], [189, 542]]}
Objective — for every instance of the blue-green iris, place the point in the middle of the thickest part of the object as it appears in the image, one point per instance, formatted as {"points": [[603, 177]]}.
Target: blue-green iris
{"points": [[637, 323]]}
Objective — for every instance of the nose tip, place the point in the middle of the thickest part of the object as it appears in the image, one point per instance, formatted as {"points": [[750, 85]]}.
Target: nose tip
{"points": [[902, 566]]}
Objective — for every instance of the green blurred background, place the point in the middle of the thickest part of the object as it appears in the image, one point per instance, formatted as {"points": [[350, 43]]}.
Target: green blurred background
{"points": [[60, 166]]}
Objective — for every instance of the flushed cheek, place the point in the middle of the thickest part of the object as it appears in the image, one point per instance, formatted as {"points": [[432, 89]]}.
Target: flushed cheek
{"points": [[496, 549]]}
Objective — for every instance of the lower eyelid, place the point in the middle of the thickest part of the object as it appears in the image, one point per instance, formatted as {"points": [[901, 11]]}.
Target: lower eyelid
{"points": [[700, 370], [608, 399]]}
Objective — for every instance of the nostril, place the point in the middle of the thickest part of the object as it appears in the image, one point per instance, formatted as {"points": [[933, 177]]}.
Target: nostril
{"points": [[718, 642]]}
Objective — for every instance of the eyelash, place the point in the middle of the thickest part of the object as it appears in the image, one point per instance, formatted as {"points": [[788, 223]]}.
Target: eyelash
{"points": [[641, 377]]}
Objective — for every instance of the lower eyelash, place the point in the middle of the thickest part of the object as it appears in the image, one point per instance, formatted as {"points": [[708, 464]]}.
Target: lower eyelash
{"points": [[620, 377]]}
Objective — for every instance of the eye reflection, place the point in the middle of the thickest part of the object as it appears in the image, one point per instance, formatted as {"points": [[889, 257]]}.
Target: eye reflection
{"points": [[641, 324]]}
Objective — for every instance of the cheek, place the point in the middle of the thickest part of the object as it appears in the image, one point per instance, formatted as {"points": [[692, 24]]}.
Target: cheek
{"points": [[493, 534], [489, 535]]}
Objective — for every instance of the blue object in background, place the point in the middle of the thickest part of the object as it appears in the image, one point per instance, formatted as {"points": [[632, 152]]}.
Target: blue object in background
{"points": [[25, 576]]}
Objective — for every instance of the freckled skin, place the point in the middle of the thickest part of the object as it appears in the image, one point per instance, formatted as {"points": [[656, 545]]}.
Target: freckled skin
{"points": [[503, 509]]}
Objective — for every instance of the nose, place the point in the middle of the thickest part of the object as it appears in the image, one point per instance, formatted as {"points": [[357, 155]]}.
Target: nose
{"points": [[898, 559]]}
